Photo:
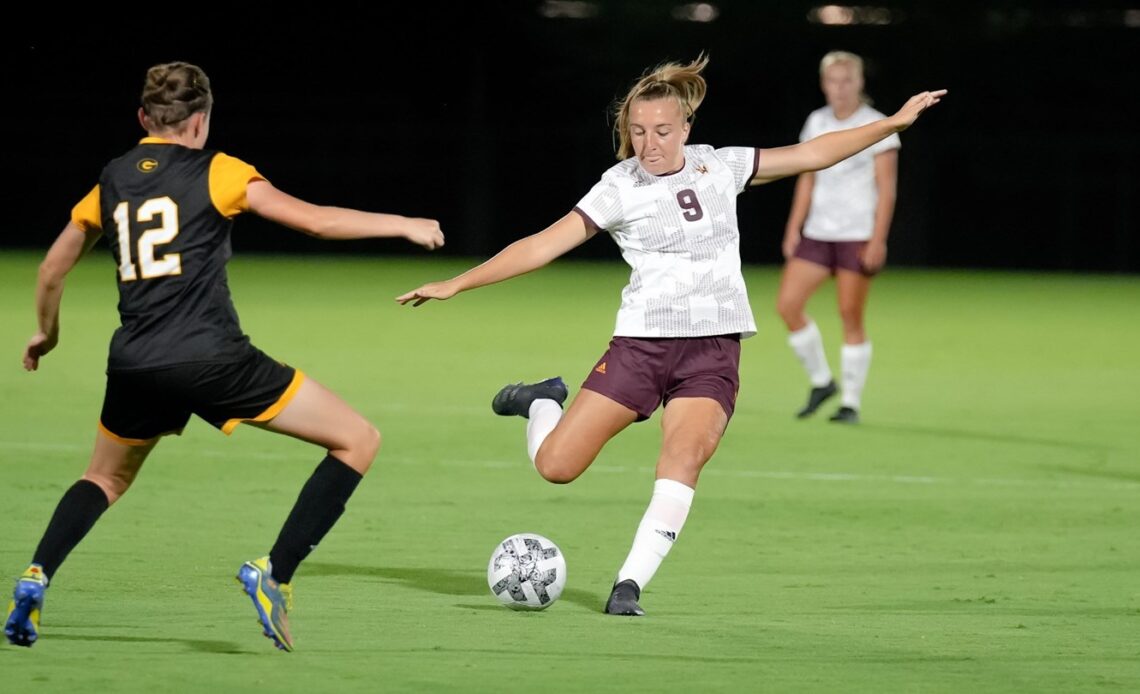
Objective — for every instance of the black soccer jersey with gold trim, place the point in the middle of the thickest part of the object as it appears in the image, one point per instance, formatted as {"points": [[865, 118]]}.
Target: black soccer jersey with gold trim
{"points": [[167, 211]]}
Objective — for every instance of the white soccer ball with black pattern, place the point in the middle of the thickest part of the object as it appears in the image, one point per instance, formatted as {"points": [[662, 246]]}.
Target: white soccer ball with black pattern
{"points": [[527, 572]]}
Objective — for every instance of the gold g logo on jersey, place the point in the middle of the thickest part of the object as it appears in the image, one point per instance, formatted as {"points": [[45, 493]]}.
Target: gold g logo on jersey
{"points": [[147, 165]]}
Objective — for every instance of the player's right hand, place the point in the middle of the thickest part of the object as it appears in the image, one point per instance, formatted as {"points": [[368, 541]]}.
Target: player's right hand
{"points": [[791, 240], [38, 346], [435, 290], [424, 232]]}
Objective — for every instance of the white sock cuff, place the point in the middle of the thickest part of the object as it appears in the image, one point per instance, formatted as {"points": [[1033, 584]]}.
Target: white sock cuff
{"points": [[805, 335], [544, 416], [541, 404], [855, 351], [682, 493]]}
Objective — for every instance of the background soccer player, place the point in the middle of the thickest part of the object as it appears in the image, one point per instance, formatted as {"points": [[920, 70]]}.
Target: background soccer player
{"points": [[838, 225]]}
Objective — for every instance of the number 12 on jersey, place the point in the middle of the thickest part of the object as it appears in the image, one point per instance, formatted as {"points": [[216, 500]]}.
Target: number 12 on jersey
{"points": [[151, 267]]}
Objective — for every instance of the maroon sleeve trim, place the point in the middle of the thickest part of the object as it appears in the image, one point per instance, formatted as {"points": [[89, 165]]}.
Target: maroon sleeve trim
{"points": [[594, 228]]}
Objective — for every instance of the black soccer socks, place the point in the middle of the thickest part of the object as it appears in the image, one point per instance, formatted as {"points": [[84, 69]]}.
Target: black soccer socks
{"points": [[76, 513], [318, 507]]}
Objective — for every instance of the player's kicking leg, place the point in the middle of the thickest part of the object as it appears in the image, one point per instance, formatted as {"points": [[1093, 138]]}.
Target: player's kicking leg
{"points": [[562, 446]]}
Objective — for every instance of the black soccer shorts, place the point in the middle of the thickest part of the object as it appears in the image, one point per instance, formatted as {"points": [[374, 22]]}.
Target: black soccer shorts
{"points": [[140, 405]]}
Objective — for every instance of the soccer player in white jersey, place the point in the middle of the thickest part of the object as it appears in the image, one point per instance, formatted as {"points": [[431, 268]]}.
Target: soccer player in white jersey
{"points": [[671, 208], [838, 225]]}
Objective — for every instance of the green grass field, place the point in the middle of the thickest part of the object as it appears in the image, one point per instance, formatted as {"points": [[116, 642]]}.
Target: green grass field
{"points": [[980, 531]]}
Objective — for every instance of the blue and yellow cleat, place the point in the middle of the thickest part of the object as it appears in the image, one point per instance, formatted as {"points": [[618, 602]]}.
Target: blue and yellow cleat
{"points": [[273, 600], [22, 627]]}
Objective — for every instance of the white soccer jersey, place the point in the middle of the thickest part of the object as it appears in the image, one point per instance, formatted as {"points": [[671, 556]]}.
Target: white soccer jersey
{"points": [[844, 197], [680, 236]]}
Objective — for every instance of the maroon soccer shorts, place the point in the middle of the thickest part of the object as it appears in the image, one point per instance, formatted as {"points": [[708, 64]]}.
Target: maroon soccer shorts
{"points": [[641, 373], [833, 254]]}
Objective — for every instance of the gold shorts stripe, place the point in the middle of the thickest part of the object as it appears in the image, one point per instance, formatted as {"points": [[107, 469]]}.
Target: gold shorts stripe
{"points": [[274, 409], [122, 439]]}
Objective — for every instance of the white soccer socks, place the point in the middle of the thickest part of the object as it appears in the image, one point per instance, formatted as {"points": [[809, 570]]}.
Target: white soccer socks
{"points": [[807, 343], [657, 532], [543, 416], [855, 361]]}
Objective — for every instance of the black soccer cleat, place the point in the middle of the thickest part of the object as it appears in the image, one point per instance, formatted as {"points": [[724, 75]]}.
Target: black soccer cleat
{"points": [[623, 599], [516, 399], [846, 415], [817, 397]]}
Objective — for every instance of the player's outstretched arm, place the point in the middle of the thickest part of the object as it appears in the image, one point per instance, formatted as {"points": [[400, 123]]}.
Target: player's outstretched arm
{"points": [[338, 222], [832, 148], [63, 255], [519, 258]]}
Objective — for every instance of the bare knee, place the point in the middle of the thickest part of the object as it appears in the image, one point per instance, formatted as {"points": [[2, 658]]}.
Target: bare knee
{"points": [[369, 445], [360, 448], [791, 310], [113, 485], [685, 463], [558, 465]]}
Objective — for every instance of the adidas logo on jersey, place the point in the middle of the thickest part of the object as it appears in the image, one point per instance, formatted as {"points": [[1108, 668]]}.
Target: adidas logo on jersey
{"points": [[601, 368], [667, 534]]}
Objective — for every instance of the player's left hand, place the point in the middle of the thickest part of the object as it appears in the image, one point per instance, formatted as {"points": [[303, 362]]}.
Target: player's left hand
{"points": [[914, 107], [873, 256], [435, 290], [38, 346]]}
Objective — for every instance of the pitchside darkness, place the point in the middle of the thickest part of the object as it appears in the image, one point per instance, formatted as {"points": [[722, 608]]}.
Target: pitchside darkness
{"points": [[495, 120]]}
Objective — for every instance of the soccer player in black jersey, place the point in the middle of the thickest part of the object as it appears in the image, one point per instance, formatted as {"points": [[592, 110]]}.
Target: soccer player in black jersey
{"points": [[166, 207]]}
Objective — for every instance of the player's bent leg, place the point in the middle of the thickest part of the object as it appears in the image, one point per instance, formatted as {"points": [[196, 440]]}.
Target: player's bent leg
{"points": [[801, 278], [539, 403], [590, 422], [319, 416], [316, 415]]}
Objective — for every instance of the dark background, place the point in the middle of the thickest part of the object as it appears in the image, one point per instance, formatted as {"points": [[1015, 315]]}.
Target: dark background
{"points": [[494, 118]]}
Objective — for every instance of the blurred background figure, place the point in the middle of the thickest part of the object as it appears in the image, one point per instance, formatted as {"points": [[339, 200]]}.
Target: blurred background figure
{"points": [[838, 225]]}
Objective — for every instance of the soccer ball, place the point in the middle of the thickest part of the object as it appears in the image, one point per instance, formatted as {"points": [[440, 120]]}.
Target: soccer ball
{"points": [[527, 572]]}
